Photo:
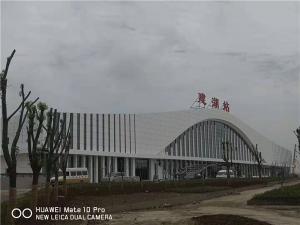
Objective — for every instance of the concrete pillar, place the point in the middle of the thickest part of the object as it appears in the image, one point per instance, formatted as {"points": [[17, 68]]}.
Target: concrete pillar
{"points": [[152, 169], [96, 169], [109, 167], [102, 170], [242, 170], [91, 169], [68, 163], [75, 161], [247, 170], [83, 158], [175, 168], [167, 169], [126, 165], [172, 169], [115, 169], [163, 166], [133, 167]]}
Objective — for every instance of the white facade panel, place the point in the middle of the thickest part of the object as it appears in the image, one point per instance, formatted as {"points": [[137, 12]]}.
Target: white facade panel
{"points": [[153, 132]]}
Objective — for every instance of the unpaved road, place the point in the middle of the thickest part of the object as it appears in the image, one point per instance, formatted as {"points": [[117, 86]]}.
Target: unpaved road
{"points": [[230, 204]]}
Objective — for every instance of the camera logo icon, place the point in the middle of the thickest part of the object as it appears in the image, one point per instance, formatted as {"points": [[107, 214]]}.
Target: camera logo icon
{"points": [[25, 213]]}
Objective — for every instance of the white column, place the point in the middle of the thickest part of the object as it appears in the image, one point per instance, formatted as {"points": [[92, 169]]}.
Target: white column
{"points": [[96, 169], [81, 131], [75, 161], [68, 161], [167, 168], [126, 169], [172, 169], [177, 167], [115, 164], [109, 166], [102, 167], [152, 169], [83, 159], [133, 166], [91, 168]]}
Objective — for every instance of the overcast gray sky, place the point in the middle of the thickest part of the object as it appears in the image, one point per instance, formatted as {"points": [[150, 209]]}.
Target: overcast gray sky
{"points": [[155, 56]]}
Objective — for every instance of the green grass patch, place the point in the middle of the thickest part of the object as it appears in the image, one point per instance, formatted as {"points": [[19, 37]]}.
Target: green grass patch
{"points": [[289, 195]]}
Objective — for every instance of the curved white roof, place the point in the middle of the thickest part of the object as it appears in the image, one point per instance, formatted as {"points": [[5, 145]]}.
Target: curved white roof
{"points": [[154, 131]]}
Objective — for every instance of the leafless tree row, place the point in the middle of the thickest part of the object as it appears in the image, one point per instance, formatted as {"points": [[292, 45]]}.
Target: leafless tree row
{"points": [[48, 140]]}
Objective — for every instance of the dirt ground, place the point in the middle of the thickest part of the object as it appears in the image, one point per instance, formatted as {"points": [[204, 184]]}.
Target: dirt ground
{"points": [[179, 208], [226, 219], [167, 210]]}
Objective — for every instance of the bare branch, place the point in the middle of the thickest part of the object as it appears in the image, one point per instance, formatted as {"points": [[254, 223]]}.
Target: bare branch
{"points": [[29, 143], [8, 62], [17, 109], [27, 110]]}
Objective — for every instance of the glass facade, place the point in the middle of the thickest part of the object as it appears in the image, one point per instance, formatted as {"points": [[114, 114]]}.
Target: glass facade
{"points": [[204, 140]]}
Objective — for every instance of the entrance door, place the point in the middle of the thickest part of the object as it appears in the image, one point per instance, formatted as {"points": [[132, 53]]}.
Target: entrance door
{"points": [[120, 162], [142, 168]]}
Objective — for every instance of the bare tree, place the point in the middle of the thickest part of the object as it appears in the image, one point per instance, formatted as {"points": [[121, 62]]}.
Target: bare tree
{"points": [[227, 156], [36, 149], [64, 159], [56, 147], [297, 133], [61, 158], [259, 160], [10, 150], [54, 141]]}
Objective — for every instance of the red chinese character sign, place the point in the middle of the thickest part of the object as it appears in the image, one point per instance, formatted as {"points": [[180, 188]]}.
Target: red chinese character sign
{"points": [[226, 106], [202, 99], [200, 102], [215, 103]]}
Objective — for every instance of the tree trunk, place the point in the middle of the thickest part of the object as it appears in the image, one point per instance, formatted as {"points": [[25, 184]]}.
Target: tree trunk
{"points": [[47, 187], [227, 171], [12, 194], [55, 196], [47, 192], [34, 188], [259, 171], [65, 184]]}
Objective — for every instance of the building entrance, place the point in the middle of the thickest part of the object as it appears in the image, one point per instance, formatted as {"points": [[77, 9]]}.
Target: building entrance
{"points": [[142, 168]]}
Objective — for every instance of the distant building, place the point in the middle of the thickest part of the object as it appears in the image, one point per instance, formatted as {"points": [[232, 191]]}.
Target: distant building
{"points": [[162, 145]]}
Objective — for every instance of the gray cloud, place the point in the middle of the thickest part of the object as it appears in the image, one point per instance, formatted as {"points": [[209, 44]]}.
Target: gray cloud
{"points": [[155, 56]]}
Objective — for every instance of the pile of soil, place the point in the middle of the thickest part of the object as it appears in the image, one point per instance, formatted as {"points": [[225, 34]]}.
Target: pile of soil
{"points": [[222, 219]]}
